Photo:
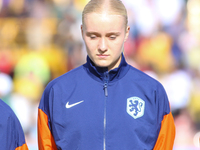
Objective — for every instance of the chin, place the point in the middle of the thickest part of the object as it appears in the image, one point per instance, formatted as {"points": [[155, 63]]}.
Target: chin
{"points": [[101, 64]]}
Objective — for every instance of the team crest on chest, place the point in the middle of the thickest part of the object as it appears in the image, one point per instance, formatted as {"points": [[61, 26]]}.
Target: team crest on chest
{"points": [[135, 107]]}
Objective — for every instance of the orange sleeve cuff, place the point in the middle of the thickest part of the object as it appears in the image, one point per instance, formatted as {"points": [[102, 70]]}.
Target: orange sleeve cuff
{"points": [[166, 136], [23, 147], [45, 138]]}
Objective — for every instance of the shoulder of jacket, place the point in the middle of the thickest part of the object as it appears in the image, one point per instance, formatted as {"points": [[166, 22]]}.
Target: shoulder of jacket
{"points": [[6, 111], [145, 77], [65, 77]]}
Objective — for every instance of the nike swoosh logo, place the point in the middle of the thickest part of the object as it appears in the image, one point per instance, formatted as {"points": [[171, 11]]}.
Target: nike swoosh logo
{"points": [[72, 105]]}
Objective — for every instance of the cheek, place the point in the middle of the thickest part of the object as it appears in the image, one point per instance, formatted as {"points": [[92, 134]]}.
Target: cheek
{"points": [[90, 47], [118, 45], [90, 43]]}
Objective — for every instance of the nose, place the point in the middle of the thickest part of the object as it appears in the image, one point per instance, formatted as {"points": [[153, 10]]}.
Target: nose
{"points": [[102, 45]]}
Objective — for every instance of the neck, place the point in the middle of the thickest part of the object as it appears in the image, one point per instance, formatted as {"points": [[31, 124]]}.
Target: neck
{"points": [[115, 64]]}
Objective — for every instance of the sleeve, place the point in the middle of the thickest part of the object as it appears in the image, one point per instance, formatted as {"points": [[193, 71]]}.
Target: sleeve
{"points": [[45, 138], [12, 135], [19, 136], [23, 147], [166, 136]]}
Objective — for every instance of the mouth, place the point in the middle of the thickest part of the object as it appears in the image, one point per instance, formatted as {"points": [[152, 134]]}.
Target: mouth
{"points": [[102, 56]]}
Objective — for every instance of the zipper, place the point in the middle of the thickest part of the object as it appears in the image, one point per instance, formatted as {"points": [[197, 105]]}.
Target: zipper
{"points": [[105, 89], [106, 77]]}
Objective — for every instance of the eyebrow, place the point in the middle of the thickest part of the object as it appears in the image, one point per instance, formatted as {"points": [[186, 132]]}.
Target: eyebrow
{"points": [[92, 33], [113, 33], [98, 34]]}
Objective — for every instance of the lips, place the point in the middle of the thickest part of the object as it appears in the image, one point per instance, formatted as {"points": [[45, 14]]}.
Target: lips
{"points": [[102, 56]]}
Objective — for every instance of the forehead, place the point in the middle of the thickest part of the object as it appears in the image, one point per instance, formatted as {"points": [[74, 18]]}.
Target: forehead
{"points": [[97, 21]]}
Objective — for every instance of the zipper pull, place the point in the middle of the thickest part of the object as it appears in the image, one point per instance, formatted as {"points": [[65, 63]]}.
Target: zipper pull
{"points": [[106, 78], [105, 89]]}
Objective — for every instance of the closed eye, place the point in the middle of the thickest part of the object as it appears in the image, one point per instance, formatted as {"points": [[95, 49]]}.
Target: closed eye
{"points": [[93, 37], [112, 37]]}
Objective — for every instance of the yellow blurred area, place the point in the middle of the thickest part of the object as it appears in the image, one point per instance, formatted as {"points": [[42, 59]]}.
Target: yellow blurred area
{"points": [[193, 15], [34, 29], [194, 105], [30, 87], [79, 4], [157, 52], [56, 60], [27, 50], [9, 29], [32, 63]]}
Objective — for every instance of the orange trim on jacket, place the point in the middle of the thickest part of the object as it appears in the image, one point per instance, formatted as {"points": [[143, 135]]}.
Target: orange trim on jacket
{"points": [[45, 138], [166, 136], [23, 147]]}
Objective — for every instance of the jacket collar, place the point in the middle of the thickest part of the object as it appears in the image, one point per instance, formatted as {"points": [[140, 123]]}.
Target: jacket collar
{"points": [[99, 73]]}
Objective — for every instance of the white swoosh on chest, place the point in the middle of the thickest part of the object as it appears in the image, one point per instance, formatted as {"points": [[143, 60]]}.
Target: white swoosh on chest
{"points": [[72, 105]]}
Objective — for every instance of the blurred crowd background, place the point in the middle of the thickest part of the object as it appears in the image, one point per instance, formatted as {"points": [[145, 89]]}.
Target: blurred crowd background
{"points": [[41, 40]]}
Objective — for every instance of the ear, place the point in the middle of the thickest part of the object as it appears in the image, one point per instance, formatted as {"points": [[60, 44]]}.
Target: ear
{"points": [[82, 30], [127, 33]]}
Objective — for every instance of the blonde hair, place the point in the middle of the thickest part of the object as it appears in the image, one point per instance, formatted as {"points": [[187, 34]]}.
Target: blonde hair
{"points": [[114, 7]]}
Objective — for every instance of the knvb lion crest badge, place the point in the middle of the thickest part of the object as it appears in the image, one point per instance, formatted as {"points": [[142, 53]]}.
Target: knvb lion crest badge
{"points": [[135, 107]]}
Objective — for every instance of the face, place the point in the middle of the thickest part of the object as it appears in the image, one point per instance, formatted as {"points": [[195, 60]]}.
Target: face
{"points": [[104, 36]]}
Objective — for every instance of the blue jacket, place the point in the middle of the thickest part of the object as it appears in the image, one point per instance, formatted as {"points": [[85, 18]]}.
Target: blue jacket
{"points": [[11, 133], [90, 108]]}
